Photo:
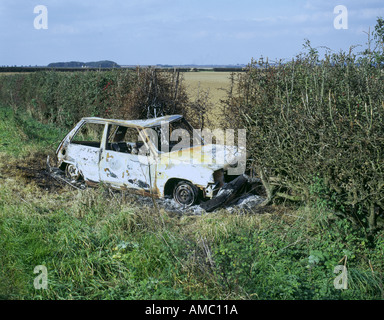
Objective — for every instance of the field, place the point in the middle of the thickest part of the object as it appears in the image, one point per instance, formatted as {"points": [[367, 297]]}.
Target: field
{"points": [[99, 244], [215, 84]]}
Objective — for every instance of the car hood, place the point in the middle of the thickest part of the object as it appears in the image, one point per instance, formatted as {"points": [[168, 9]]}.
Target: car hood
{"points": [[214, 156]]}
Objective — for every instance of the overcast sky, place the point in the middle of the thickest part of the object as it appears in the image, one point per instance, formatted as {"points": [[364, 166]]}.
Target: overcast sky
{"points": [[142, 32]]}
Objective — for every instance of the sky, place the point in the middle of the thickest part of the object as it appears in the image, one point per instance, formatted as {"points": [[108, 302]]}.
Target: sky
{"points": [[178, 32]]}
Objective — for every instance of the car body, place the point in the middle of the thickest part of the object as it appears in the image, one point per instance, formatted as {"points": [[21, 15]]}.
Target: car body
{"points": [[161, 157]]}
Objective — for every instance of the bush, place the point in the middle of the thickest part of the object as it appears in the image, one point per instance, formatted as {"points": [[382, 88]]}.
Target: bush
{"points": [[312, 120]]}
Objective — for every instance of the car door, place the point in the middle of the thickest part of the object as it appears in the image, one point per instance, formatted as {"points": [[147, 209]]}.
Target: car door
{"points": [[121, 165], [84, 149]]}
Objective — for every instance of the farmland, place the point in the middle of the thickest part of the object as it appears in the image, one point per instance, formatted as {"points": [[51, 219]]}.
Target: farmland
{"points": [[216, 82], [99, 244], [212, 84]]}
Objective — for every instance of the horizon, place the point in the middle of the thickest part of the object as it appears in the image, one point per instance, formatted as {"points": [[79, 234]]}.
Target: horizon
{"points": [[179, 33]]}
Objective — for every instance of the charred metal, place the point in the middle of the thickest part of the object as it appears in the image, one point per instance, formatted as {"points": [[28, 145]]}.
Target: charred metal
{"points": [[162, 157]]}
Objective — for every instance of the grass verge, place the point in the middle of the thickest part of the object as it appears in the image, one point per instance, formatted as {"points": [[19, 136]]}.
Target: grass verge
{"points": [[101, 245]]}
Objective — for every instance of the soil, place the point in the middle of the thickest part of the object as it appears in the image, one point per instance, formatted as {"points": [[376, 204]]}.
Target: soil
{"points": [[31, 170]]}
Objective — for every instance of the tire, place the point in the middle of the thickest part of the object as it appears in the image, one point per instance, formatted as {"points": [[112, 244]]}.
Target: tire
{"points": [[226, 194], [185, 193]]}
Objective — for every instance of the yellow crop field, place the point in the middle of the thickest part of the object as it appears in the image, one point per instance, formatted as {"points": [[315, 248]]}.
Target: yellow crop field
{"points": [[215, 83]]}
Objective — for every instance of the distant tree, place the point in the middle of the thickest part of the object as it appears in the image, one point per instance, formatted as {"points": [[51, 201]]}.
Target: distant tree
{"points": [[77, 64]]}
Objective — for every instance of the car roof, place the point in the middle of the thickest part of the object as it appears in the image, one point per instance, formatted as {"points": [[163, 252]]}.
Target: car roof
{"points": [[148, 123]]}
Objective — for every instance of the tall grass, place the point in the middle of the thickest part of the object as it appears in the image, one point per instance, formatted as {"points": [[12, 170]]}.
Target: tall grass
{"points": [[107, 248], [98, 244]]}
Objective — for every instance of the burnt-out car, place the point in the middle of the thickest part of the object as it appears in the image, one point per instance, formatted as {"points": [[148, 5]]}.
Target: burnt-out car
{"points": [[162, 157]]}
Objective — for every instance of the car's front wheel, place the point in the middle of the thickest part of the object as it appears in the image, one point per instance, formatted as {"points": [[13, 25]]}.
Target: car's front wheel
{"points": [[72, 172], [185, 193]]}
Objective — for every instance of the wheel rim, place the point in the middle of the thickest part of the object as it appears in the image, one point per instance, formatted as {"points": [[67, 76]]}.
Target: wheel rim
{"points": [[72, 172], [184, 194]]}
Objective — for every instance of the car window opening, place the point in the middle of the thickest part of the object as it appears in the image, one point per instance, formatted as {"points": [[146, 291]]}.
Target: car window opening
{"points": [[125, 140], [90, 134]]}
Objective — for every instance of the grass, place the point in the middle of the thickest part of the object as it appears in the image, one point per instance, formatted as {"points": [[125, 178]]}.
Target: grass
{"points": [[21, 135], [99, 245]]}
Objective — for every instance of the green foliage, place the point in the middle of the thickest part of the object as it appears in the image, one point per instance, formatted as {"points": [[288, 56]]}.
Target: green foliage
{"points": [[62, 98], [21, 134], [102, 248], [378, 35], [86, 258], [282, 261], [313, 117]]}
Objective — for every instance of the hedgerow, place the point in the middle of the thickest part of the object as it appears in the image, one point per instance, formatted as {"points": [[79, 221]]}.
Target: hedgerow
{"points": [[315, 130], [65, 97]]}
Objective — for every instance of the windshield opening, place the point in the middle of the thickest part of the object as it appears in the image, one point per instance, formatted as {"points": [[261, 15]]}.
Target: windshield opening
{"points": [[175, 136]]}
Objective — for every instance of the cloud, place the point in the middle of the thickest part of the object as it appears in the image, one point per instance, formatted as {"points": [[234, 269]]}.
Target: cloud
{"points": [[154, 31], [62, 29], [366, 14]]}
